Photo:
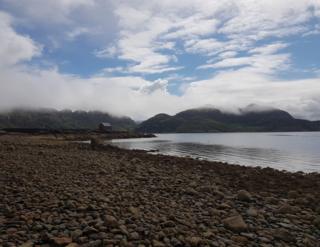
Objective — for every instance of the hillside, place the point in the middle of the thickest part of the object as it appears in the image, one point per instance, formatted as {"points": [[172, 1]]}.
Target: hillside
{"points": [[62, 119], [214, 120]]}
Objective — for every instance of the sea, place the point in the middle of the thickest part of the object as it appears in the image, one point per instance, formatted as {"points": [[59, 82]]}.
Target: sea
{"points": [[290, 151]]}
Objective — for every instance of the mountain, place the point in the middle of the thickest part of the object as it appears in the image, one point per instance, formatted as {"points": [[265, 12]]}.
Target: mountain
{"points": [[67, 119], [248, 119]]}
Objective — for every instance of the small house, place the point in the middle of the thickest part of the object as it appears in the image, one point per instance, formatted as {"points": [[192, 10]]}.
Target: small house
{"points": [[105, 127]]}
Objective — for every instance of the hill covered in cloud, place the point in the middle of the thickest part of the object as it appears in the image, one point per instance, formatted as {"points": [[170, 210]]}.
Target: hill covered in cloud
{"points": [[251, 118], [53, 119]]}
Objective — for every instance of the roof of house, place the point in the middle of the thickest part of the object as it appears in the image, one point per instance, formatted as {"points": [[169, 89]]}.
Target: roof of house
{"points": [[106, 124]]}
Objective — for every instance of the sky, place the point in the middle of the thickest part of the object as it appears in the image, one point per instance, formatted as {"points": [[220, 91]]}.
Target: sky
{"points": [[142, 57]]}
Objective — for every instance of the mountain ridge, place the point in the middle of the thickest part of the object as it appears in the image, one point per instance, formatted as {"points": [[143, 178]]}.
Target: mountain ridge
{"points": [[248, 119], [65, 119]]}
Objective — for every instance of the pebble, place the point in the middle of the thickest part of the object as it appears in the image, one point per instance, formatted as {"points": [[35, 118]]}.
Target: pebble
{"points": [[244, 195], [235, 223]]}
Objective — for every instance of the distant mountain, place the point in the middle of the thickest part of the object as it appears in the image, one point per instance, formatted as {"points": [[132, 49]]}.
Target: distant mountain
{"points": [[251, 118], [66, 119]]}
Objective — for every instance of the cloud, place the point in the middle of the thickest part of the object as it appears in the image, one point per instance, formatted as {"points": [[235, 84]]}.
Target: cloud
{"points": [[76, 32], [239, 40], [232, 89], [50, 13], [14, 48], [269, 49], [256, 63]]}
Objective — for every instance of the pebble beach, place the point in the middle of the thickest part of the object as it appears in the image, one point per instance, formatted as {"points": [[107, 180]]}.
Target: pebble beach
{"points": [[55, 192]]}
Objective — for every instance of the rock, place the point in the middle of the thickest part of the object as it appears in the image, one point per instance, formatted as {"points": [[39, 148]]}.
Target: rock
{"points": [[194, 241], [309, 242], [61, 241], [96, 143], [168, 224], [284, 235], [134, 211], [316, 222], [124, 230], [95, 243], [235, 223], [134, 236], [156, 243], [27, 244], [11, 231], [88, 230], [11, 148], [293, 194], [241, 240], [175, 242], [190, 191], [72, 245], [76, 234], [244, 195], [111, 220], [252, 212], [286, 209]]}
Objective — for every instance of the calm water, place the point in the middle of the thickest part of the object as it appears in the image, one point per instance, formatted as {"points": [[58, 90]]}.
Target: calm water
{"points": [[293, 151]]}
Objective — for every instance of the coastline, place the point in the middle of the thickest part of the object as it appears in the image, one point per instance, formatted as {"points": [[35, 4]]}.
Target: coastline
{"points": [[61, 193]]}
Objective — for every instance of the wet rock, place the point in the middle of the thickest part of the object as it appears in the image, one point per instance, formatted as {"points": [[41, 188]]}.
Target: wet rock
{"points": [[235, 223]]}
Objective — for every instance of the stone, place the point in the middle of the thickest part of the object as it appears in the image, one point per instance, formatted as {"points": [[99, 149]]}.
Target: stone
{"points": [[235, 223], [124, 230], [134, 236], [286, 209], [194, 241], [293, 194], [284, 235], [241, 240], [76, 233], [134, 211], [72, 245], [61, 241], [89, 230], [309, 242], [11, 231], [95, 243], [111, 220], [316, 222], [157, 243], [244, 195], [27, 244], [252, 212]]}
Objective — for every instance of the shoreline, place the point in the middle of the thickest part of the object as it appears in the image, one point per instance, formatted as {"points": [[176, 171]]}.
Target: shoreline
{"points": [[60, 193]]}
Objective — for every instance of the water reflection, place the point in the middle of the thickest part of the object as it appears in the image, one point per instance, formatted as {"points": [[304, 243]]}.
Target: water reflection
{"points": [[287, 158]]}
